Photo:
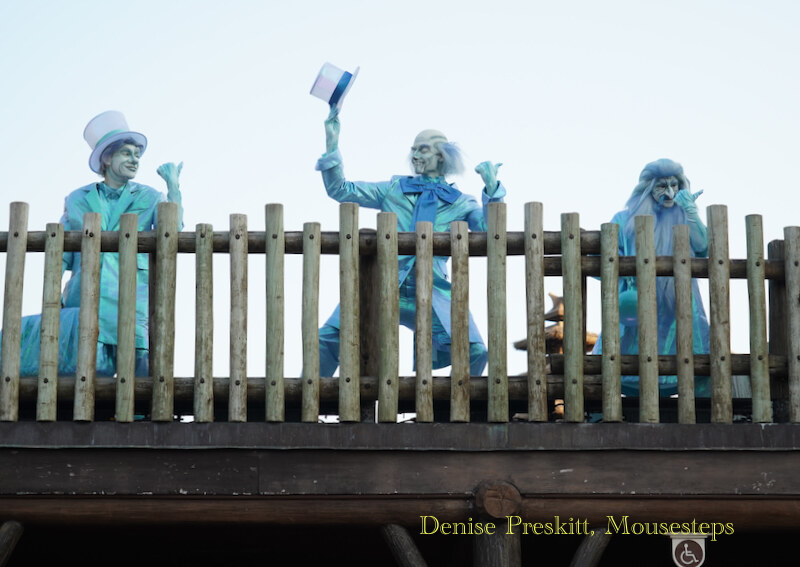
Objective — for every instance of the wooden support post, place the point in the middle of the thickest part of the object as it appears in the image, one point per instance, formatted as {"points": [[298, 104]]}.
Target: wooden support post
{"points": [[402, 546], [498, 500], [204, 324], [310, 322], [719, 272], [237, 398], [534, 305], [497, 317], [12, 311], [647, 316], [779, 387], [609, 293], [591, 549], [349, 342], [88, 327], [459, 323], [423, 345], [759, 353], [574, 336], [684, 329], [10, 533], [128, 238], [164, 315], [791, 237], [276, 248], [51, 315], [388, 319]]}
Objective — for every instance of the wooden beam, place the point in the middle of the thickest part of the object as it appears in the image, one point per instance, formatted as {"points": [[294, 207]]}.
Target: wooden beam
{"points": [[403, 548], [10, 532]]}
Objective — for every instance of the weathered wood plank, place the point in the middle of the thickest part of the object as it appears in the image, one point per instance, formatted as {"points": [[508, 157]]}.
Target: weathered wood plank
{"points": [[719, 313], [204, 325], [126, 327], [609, 292], [310, 322], [349, 341], [759, 349], [423, 345], [459, 321], [51, 313], [534, 307], [684, 329], [275, 312], [88, 326], [388, 318], [574, 337]]}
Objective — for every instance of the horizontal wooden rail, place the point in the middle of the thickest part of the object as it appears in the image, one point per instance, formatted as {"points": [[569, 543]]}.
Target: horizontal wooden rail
{"points": [[406, 244]]}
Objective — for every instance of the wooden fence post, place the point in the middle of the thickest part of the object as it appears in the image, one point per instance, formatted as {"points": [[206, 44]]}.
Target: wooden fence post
{"points": [[423, 346], [779, 387], [496, 250], [128, 239], [164, 314], [534, 303], [237, 396], [791, 237], [459, 323], [609, 292], [574, 336], [647, 315], [310, 321], [204, 324], [349, 342], [88, 328], [759, 353], [46, 399], [276, 249], [388, 318], [684, 322], [719, 273], [12, 311]]}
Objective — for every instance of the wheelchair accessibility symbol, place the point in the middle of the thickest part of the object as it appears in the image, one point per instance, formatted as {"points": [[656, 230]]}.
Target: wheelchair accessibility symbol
{"points": [[688, 552]]}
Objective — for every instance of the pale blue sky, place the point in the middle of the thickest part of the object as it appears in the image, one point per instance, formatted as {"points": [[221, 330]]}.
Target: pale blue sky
{"points": [[574, 97]]}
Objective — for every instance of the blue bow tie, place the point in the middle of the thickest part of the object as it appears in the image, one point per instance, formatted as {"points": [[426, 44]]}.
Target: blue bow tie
{"points": [[430, 192], [109, 193]]}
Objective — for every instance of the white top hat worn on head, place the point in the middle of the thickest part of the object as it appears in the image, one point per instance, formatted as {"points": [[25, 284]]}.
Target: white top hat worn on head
{"points": [[333, 84], [105, 129]]}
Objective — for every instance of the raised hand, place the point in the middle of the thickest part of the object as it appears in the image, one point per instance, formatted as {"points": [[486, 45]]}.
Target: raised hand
{"points": [[488, 172], [686, 200]]}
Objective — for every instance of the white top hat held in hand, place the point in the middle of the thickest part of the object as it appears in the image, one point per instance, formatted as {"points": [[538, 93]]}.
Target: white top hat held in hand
{"points": [[105, 129], [333, 84]]}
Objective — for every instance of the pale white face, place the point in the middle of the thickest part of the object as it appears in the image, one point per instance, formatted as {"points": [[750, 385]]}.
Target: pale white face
{"points": [[664, 191], [122, 165], [425, 158]]}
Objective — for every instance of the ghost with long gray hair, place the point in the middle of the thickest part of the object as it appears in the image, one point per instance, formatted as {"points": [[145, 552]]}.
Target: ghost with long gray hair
{"points": [[664, 192], [425, 196]]}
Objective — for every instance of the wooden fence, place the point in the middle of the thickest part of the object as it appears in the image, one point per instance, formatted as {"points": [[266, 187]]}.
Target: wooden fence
{"points": [[369, 326]]}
